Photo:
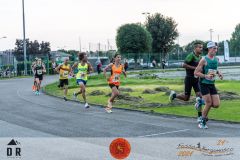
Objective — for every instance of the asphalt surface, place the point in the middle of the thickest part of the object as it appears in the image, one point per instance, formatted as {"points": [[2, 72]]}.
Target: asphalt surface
{"points": [[51, 129], [24, 114]]}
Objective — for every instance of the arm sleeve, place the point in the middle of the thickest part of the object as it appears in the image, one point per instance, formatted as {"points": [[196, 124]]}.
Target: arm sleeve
{"points": [[188, 59]]}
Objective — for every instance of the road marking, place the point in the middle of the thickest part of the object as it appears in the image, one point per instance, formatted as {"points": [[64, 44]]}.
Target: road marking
{"points": [[151, 135]]}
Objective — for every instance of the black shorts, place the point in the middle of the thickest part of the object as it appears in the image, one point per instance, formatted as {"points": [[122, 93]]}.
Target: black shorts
{"points": [[208, 89], [113, 85], [191, 82], [40, 77], [63, 82]]}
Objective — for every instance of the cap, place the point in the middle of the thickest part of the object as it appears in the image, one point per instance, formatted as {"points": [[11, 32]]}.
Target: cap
{"points": [[211, 44]]}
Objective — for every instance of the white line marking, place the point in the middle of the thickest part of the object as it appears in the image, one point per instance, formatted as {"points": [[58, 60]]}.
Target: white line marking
{"points": [[150, 135]]}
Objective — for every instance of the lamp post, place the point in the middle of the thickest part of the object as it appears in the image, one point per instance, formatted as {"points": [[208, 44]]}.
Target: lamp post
{"points": [[210, 30], [3, 37], [24, 41], [146, 14]]}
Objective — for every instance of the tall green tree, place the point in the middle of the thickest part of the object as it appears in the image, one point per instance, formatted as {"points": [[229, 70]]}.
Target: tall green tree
{"points": [[190, 46], [33, 48], [133, 38], [164, 32], [45, 48], [18, 50], [235, 41]]}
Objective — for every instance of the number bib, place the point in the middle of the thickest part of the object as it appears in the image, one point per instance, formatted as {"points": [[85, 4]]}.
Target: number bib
{"points": [[211, 72], [39, 72], [116, 78], [65, 74]]}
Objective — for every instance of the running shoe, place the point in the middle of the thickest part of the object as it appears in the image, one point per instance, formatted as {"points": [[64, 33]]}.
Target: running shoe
{"points": [[172, 96], [86, 105], [37, 93], [33, 88], [74, 96], [108, 110], [202, 126], [199, 119]]}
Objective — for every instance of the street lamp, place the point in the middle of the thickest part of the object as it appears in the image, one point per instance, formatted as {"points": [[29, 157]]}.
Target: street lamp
{"points": [[210, 30], [146, 14], [24, 41], [3, 37]]}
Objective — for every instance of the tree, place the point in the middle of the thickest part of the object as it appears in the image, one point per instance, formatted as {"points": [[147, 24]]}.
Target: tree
{"points": [[164, 32], [45, 47], [33, 48], [177, 51], [190, 46], [235, 40], [18, 50], [220, 48], [133, 38]]}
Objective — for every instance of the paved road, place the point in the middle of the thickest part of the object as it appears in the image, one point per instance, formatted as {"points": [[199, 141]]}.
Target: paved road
{"points": [[43, 120], [26, 115]]}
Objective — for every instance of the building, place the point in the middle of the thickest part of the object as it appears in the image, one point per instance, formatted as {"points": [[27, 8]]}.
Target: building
{"points": [[6, 58]]}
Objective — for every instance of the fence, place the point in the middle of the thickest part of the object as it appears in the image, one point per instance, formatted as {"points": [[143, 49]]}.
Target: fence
{"points": [[135, 61]]}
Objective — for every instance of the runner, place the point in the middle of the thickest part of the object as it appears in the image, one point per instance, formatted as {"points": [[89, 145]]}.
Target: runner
{"points": [[34, 87], [64, 70], [207, 70], [84, 68], [114, 80], [191, 81], [39, 70]]}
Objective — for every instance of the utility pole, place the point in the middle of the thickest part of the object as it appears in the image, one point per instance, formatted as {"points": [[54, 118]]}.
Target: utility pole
{"points": [[210, 30], [80, 45], [24, 41]]}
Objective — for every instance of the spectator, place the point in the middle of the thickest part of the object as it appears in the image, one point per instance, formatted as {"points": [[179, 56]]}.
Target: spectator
{"points": [[163, 64], [126, 64], [53, 66], [99, 66], [154, 63]]}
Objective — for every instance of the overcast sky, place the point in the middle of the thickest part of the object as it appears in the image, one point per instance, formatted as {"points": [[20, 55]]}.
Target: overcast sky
{"points": [[62, 22]]}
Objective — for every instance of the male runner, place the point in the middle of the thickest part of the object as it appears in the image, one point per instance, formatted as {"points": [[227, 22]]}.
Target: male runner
{"points": [[191, 81], [84, 68], [64, 70], [207, 70]]}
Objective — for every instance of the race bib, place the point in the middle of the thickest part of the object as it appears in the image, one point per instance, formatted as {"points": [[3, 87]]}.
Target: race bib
{"points": [[82, 75], [116, 78], [65, 74], [212, 72], [39, 72]]}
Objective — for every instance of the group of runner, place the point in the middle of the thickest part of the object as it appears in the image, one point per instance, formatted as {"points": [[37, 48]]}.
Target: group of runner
{"points": [[200, 75]]}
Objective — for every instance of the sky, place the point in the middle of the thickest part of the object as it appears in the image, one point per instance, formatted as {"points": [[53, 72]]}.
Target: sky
{"points": [[65, 23]]}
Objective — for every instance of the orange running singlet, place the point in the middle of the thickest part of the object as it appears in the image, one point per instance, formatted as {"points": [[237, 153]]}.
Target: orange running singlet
{"points": [[115, 77]]}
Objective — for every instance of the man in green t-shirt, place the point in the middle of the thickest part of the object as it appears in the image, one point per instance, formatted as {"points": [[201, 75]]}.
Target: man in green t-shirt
{"points": [[207, 70], [191, 81]]}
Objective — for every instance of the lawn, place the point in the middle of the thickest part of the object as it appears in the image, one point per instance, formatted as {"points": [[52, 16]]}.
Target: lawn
{"points": [[229, 109]]}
